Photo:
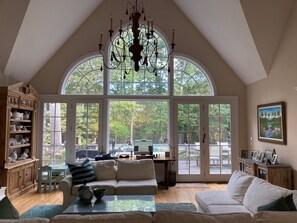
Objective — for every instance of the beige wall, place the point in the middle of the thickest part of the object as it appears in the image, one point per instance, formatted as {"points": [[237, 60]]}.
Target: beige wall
{"points": [[188, 42], [279, 86]]}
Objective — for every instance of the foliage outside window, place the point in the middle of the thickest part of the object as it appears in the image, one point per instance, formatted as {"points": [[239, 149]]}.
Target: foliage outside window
{"points": [[86, 130], [146, 81], [86, 78], [54, 133], [138, 122], [190, 79]]}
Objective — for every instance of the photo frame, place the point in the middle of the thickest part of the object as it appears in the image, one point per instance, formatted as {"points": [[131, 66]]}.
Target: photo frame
{"points": [[274, 158], [271, 123], [254, 154], [261, 159], [269, 154], [244, 153]]}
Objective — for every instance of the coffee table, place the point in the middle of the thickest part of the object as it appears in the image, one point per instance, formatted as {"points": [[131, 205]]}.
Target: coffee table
{"points": [[113, 204]]}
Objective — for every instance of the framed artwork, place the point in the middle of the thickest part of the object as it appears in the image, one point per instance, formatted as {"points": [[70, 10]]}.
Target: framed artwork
{"points": [[272, 123]]}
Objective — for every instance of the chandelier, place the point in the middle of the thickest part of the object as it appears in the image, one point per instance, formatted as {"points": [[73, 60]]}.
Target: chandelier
{"points": [[137, 45]]}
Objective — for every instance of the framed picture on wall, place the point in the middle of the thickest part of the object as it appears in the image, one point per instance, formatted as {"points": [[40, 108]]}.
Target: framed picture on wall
{"points": [[272, 123]]}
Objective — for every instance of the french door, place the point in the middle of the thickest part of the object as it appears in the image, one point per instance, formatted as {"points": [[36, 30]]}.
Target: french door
{"points": [[205, 138]]}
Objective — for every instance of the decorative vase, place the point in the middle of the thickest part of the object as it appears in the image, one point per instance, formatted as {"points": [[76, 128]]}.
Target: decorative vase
{"points": [[85, 193]]}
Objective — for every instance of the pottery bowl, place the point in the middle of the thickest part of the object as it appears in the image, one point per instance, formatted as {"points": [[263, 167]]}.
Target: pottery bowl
{"points": [[99, 193]]}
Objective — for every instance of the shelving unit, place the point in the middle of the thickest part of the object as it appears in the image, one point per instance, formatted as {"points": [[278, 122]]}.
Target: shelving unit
{"points": [[278, 174], [18, 107]]}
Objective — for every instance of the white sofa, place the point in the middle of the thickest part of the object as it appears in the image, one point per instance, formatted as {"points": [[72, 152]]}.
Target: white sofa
{"points": [[244, 194], [167, 217], [123, 177]]}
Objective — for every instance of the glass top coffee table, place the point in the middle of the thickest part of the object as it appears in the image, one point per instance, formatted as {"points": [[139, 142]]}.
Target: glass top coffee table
{"points": [[113, 204]]}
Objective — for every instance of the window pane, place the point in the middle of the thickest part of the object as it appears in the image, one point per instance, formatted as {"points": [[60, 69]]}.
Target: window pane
{"points": [[86, 130], [141, 123], [190, 79], [125, 81], [86, 78], [220, 138], [54, 133]]}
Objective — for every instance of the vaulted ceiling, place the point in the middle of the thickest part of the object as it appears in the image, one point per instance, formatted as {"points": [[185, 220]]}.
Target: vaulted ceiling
{"points": [[246, 33]]}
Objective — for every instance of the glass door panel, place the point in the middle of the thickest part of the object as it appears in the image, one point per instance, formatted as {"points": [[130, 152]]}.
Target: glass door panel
{"points": [[188, 122], [219, 119]]}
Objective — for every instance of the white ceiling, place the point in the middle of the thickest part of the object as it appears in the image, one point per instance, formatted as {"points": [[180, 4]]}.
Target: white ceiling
{"points": [[246, 33]]}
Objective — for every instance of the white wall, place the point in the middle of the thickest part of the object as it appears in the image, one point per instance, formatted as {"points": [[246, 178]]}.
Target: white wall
{"points": [[279, 86]]}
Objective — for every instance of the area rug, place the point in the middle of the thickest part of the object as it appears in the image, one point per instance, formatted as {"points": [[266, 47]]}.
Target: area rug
{"points": [[176, 207], [191, 185], [43, 211]]}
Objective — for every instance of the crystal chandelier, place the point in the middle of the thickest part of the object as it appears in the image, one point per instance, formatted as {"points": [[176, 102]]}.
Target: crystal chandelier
{"points": [[136, 45]]}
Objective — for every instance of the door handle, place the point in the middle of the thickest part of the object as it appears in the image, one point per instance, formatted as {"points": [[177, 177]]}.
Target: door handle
{"points": [[203, 138]]}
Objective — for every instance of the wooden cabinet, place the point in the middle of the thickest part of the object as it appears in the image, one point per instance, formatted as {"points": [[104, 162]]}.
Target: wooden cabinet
{"points": [[18, 108], [277, 174]]}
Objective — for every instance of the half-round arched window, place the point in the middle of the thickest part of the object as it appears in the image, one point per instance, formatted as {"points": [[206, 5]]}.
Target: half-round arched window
{"points": [[86, 78], [190, 79]]}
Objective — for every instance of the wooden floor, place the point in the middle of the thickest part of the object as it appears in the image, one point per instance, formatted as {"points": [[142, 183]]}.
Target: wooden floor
{"points": [[181, 193]]}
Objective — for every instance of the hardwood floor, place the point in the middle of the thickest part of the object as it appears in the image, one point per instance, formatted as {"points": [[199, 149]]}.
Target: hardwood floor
{"points": [[181, 193]]}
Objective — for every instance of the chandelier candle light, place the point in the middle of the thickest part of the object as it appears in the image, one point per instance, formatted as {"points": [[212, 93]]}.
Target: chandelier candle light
{"points": [[136, 45]]}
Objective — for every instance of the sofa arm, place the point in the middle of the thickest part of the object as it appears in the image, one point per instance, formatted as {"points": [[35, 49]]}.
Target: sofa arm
{"points": [[65, 186]]}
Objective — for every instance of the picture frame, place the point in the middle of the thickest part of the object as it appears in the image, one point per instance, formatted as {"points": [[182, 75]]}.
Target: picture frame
{"points": [[254, 153], [269, 154], [244, 153], [271, 123], [261, 159], [274, 158]]}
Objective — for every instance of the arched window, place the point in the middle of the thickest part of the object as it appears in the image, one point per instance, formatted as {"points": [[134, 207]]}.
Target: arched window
{"points": [[85, 78], [190, 79]]}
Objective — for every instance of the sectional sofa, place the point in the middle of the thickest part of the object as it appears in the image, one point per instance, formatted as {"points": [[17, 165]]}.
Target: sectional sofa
{"points": [[121, 177], [245, 194], [167, 217]]}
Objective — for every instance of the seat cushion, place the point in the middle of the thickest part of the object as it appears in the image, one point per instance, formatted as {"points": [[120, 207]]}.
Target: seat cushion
{"points": [[260, 193], [238, 185], [136, 187], [206, 198], [135, 169], [109, 185], [190, 217], [222, 209], [105, 170]]}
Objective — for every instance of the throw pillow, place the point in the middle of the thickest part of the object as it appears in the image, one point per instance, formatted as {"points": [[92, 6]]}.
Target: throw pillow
{"points": [[277, 205], [7, 210], [82, 172], [290, 202], [238, 185]]}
